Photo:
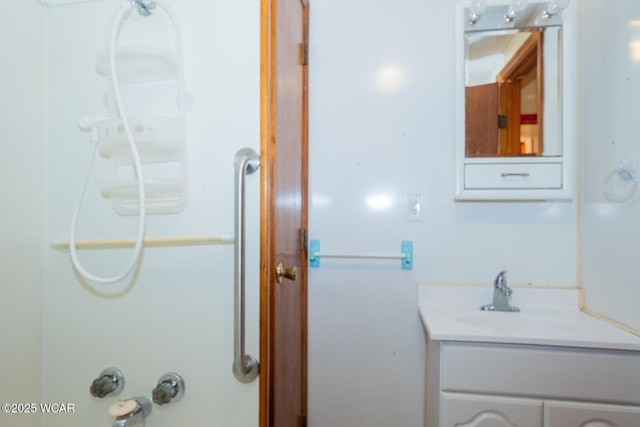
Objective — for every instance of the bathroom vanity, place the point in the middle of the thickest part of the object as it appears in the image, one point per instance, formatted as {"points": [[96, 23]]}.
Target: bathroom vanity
{"points": [[548, 365]]}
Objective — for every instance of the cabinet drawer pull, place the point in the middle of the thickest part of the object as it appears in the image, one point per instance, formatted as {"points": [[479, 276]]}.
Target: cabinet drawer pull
{"points": [[525, 174]]}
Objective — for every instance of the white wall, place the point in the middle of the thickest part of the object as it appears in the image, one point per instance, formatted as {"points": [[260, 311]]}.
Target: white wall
{"points": [[610, 82], [381, 124], [22, 123], [176, 315]]}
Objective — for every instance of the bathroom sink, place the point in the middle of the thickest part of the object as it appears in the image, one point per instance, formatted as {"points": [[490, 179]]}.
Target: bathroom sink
{"points": [[501, 320], [547, 316]]}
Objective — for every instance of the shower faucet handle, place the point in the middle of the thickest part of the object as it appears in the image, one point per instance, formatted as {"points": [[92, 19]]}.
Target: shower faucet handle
{"points": [[164, 393], [109, 383], [170, 388]]}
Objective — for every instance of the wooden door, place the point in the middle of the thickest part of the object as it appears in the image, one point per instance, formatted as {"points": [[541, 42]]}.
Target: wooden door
{"points": [[481, 120], [283, 306], [527, 59], [509, 107]]}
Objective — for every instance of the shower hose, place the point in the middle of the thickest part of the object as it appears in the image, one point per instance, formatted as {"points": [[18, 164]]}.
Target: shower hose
{"points": [[120, 16]]}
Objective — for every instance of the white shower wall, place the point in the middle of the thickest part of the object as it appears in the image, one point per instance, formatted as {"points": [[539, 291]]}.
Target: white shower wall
{"points": [[610, 85], [177, 314], [22, 128]]}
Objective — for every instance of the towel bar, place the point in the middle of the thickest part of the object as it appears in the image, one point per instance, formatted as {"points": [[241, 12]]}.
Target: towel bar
{"points": [[405, 256]]}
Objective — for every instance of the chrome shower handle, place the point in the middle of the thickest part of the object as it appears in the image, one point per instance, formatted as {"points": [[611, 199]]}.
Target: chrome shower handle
{"points": [[245, 366], [110, 382], [170, 389]]}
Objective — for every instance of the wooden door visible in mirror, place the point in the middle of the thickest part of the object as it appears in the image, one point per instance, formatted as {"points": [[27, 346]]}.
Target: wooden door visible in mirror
{"points": [[524, 69], [481, 108], [504, 119], [283, 306]]}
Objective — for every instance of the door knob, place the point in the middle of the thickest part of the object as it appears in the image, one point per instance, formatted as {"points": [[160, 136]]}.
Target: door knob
{"points": [[285, 273]]}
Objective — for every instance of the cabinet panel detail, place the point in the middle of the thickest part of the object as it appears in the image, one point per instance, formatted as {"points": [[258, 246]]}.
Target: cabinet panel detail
{"points": [[562, 414], [462, 410], [556, 373]]}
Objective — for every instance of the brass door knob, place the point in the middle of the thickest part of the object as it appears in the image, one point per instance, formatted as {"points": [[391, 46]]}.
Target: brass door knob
{"points": [[285, 273]]}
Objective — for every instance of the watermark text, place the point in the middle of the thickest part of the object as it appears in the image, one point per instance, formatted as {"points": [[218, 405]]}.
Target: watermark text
{"points": [[38, 408]]}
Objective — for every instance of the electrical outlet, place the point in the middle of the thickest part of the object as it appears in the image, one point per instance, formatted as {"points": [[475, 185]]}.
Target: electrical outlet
{"points": [[414, 207]]}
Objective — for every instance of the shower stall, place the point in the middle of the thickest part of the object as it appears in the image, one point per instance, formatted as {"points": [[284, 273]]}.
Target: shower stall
{"points": [[175, 312]]}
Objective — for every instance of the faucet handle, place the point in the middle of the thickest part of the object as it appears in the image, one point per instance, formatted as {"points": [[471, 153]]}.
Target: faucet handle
{"points": [[170, 388], [164, 393], [109, 383]]}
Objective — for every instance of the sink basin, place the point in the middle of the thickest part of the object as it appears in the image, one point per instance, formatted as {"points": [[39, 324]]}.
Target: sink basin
{"points": [[548, 316], [516, 321]]}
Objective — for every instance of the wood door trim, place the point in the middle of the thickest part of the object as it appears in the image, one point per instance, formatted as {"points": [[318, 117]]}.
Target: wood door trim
{"points": [[304, 256], [266, 211], [527, 58], [268, 245]]}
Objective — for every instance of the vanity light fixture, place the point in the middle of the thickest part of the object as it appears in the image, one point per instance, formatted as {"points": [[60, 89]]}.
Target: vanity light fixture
{"points": [[476, 9], [554, 8], [515, 8]]}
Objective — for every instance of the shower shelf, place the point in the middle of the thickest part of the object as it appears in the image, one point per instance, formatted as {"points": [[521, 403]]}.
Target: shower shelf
{"points": [[160, 144], [127, 189], [146, 77], [167, 151], [141, 64], [153, 135]]}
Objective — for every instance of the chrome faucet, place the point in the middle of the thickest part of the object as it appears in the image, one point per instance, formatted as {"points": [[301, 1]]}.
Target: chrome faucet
{"points": [[131, 412], [500, 293]]}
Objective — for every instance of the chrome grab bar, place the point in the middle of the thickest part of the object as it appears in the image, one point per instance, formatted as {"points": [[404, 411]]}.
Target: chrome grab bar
{"points": [[245, 366]]}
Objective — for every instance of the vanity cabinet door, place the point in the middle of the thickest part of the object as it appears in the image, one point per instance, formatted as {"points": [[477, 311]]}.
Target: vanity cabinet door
{"points": [[467, 410], [565, 414]]}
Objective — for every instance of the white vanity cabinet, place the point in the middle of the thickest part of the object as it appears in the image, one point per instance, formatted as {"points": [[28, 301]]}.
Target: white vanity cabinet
{"points": [[494, 385], [469, 410]]}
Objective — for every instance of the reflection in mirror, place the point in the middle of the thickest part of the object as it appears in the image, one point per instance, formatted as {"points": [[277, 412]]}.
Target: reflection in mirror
{"points": [[512, 91]]}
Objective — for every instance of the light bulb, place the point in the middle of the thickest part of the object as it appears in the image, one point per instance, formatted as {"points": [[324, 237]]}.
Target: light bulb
{"points": [[515, 8], [476, 9], [554, 7]]}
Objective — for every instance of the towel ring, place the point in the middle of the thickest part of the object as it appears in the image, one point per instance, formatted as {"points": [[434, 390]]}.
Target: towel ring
{"points": [[624, 175]]}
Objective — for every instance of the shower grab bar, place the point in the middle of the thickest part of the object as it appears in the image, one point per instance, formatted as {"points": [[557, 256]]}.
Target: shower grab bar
{"points": [[222, 239], [405, 257], [245, 366]]}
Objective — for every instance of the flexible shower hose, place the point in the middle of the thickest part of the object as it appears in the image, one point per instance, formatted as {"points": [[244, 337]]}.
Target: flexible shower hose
{"points": [[126, 8]]}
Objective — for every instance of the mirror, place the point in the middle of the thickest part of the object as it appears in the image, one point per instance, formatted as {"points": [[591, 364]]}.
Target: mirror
{"points": [[515, 100], [512, 86]]}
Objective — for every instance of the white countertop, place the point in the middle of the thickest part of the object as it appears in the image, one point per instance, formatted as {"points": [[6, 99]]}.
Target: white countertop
{"points": [[546, 317]]}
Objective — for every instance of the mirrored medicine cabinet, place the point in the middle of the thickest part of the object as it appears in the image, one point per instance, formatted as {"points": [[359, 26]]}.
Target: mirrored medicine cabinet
{"points": [[515, 108]]}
